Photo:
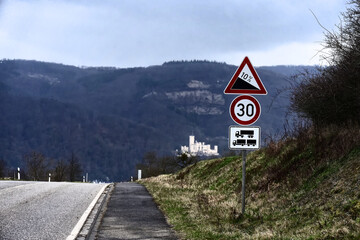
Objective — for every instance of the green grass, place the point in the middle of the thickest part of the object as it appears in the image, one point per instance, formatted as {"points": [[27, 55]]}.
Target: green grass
{"points": [[290, 195]]}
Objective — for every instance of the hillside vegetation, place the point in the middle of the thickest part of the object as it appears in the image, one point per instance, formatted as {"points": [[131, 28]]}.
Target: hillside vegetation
{"points": [[111, 117], [306, 186]]}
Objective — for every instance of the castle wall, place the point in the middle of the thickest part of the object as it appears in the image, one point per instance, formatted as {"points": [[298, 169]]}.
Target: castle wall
{"points": [[199, 148]]}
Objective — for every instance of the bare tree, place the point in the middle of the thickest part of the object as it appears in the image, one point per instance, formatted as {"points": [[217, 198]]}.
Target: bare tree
{"points": [[167, 164], [36, 165], [60, 170], [74, 168], [148, 165], [152, 165], [184, 160], [2, 168]]}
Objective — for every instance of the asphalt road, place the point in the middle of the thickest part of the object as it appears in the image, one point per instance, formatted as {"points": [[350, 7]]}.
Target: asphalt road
{"points": [[42, 210], [131, 213]]}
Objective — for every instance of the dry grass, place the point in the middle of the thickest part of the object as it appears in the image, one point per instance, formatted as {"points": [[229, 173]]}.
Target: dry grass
{"points": [[320, 201]]}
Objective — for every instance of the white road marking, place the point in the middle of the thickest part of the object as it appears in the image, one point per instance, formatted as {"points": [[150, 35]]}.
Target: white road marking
{"points": [[83, 218]]}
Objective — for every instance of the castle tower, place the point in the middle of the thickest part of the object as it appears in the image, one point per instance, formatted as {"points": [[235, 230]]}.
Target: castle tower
{"points": [[191, 143], [191, 140]]}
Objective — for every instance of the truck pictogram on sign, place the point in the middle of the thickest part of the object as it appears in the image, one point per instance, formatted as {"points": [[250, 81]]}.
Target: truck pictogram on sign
{"points": [[244, 138], [242, 133]]}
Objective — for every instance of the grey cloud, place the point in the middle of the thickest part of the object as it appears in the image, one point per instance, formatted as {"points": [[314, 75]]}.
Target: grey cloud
{"points": [[143, 32]]}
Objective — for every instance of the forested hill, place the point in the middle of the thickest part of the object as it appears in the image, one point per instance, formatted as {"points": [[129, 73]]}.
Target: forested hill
{"points": [[110, 117]]}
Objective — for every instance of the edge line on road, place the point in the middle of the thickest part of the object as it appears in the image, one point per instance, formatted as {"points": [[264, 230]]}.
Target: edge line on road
{"points": [[80, 223]]}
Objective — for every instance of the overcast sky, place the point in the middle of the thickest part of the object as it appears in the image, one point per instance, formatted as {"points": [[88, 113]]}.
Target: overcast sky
{"points": [[131, 33]]}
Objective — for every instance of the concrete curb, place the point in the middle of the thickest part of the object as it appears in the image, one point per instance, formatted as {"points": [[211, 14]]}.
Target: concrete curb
{"points": [[88, 231], [85, 223]]}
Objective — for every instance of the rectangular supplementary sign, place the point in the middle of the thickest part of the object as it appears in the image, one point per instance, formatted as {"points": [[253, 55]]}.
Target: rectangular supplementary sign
{"points": [[244, 138]]}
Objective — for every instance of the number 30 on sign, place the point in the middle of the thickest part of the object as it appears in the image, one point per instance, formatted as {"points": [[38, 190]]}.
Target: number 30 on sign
{"points": [[245, 110]]}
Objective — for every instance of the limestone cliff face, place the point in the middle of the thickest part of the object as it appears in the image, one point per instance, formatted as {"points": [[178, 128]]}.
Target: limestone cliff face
{"points": [[200, 96], [202, 102], [197, 100], [197, 84], [49, 79]]}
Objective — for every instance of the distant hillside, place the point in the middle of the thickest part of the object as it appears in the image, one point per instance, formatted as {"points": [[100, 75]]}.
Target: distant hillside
{"points": [[110, 117]]}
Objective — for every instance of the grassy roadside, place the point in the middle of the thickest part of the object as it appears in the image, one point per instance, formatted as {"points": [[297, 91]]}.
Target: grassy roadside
{"points": [[290, 194]]}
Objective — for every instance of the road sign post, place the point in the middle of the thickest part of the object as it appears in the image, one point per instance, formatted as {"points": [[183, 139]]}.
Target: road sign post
{"points": [[243, 182], [244, 138], [245, 110]]}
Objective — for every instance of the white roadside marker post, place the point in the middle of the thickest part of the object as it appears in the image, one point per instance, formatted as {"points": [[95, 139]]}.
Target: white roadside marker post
{"points": [[83, 178], [18, 173], [139, 174], [49, 177]]}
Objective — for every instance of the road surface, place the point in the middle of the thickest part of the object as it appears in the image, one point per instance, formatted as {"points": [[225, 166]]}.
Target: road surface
{"points": [[42, 210]]}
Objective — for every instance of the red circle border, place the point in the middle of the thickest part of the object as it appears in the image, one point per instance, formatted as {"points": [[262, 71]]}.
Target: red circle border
{"points": [[232, 110]]}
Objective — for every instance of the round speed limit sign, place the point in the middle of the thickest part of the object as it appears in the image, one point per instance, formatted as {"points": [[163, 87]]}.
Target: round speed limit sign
{"points": [[245, 110]]}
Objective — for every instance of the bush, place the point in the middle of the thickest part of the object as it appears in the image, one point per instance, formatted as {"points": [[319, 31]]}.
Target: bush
{"points": [[331, 96]]}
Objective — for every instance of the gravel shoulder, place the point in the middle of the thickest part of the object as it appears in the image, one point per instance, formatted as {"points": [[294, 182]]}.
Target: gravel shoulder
{"points": [[131, 213]]}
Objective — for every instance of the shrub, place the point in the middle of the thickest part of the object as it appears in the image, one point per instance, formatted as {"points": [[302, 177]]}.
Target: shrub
{"points": [[331, 96]]}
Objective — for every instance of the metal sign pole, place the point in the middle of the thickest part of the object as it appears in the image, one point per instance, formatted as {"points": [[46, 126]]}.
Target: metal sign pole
{"points": [[243, 182]]}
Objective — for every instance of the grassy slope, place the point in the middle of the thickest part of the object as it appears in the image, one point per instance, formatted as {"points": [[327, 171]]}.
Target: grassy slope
{"points": [[290, 194]]}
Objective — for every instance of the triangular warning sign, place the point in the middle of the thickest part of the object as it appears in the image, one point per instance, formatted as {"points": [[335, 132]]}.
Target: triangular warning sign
{"points": [[245, 81]]}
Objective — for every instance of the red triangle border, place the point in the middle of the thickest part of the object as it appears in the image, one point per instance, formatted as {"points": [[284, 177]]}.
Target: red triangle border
{"points": [[229, 90]]}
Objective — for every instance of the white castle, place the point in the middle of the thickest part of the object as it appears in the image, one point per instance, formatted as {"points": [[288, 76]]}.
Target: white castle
{"points": [[198, 148]]}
